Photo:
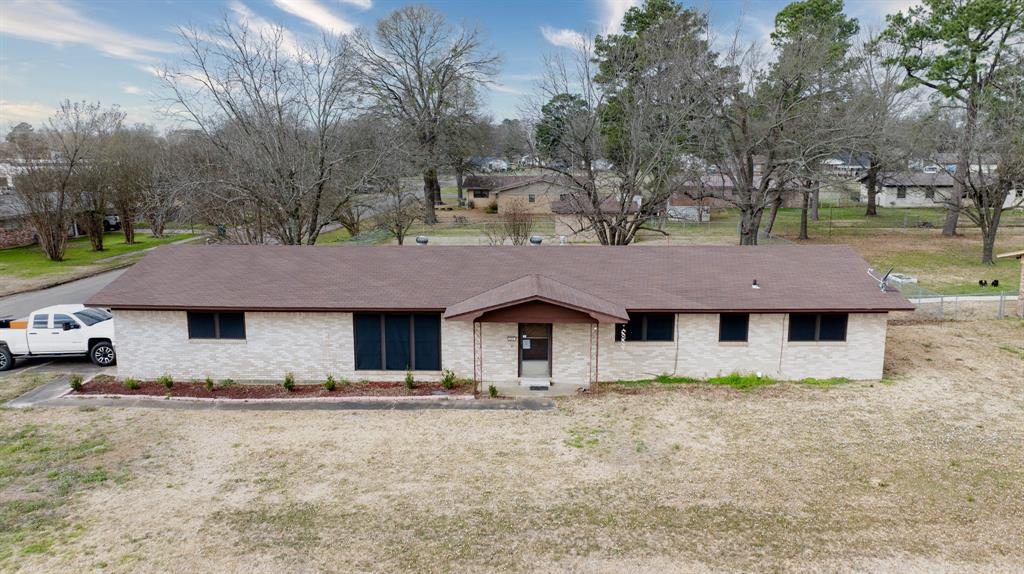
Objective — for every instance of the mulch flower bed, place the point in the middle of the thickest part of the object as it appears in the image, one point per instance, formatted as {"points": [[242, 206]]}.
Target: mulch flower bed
{"points": [[105, 385]]}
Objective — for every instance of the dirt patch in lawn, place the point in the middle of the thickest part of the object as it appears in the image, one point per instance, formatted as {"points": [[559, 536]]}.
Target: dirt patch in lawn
{"points": [[106, 385], [921, 472]]}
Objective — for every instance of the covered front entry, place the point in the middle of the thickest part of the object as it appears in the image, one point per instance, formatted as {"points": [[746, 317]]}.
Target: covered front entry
{"points": [[514, 330], [535, 351]]}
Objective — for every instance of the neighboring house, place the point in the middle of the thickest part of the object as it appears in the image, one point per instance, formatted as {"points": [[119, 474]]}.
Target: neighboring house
{"points": [[15, 230], [535, 192], [919, 189], [535, 316], [683, 208], [718, 191], [571, 213]]}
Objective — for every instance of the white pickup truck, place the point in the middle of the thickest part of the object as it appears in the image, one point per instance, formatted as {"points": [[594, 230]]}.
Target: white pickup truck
{"points": [[59, 330]]}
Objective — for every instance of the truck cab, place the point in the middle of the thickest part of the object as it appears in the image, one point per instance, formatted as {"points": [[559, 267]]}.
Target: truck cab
{"points": [[59, 330]]}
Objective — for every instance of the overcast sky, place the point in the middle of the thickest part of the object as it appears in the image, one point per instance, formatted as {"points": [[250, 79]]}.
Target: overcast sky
{"points": [[107, 50]]}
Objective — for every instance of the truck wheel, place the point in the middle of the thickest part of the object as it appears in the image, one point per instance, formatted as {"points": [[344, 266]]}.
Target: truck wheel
{"points": [[102, 354], [6, 359]]}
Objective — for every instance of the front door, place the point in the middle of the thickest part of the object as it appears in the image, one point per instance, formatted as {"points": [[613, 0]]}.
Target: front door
{"points": [[535, 350]]}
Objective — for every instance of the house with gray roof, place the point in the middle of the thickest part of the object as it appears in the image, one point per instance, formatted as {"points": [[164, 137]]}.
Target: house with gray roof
{"points": [[542, 317]]}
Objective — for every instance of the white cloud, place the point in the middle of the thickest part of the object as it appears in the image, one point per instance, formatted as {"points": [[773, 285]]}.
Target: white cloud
{"points": [[505, 89], [133, 90], [612, 12], [59, 24], [317, 14], [361, 4], [32, 112], [265, 27], [563, 37]]}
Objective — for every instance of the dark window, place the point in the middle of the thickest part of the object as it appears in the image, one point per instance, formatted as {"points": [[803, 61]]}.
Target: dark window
{"points": [[368, 338], [901, 192], [40, 321], [397, 341], [817, 326], [929, 193], [59, 320], [531, 198], [832, 326], [733, 326], [647, 327], [478, 194], [212, 325], [92, 316], [563, 197]]}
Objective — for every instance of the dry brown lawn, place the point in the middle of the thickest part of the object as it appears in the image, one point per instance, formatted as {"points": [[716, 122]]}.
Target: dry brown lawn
{"points": [[922, 472]]}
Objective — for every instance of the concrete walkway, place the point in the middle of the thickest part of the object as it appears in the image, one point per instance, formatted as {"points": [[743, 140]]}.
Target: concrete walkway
{"points": [[54, 394]]}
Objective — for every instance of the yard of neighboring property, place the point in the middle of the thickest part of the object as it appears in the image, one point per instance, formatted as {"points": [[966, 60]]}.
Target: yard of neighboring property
{"points": [[23, 268], [922, 472]]}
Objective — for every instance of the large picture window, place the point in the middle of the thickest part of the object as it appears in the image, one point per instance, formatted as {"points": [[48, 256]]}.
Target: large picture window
{"points": [[216, 325], [817, 326], [733, 327], [647, 327], [397, 341]]}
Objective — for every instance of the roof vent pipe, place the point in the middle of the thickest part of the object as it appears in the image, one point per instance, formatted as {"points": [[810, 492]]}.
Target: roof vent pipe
{"points": [[754, 285], [421, 240], [536, 239]]}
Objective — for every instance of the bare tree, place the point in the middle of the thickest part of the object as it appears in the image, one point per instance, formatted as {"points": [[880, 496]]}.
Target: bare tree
{"points": [[999, 140], [400, 209], [517, 222], [419, 69], [633, 102], [275, 112], [48, 189]]}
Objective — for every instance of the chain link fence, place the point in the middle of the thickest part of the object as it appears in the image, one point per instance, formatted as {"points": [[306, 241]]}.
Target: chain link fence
{"points": [[982, 304]]}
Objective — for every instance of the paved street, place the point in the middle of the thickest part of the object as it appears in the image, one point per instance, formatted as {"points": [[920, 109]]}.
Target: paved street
{"points": [[20, 305]]}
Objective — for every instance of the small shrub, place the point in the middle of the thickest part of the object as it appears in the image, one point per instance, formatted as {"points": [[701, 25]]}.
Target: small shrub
{"points": [[330, 384], [227, 382], [289, 382], [132, 384], [470, 204], [410, 383], [741, 382], [208, 384], [492, 391], [76, 383], [448, 379], [166, 381], [492, 208]]}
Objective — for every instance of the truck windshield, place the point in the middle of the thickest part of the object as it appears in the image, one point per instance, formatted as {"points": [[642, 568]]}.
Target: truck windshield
{"points": [[92, 316]]}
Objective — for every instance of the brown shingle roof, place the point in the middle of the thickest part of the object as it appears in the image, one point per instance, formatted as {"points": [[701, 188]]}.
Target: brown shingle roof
{"points": [[677, 278], [537, 288]]}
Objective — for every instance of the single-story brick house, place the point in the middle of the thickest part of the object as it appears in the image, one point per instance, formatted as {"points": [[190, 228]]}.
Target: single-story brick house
{"points": [[537, 316], [535, 193], [919, 189]]}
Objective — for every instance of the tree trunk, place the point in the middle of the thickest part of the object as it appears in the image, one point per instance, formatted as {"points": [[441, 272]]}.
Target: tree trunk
{"points": [[750, 221], [803, 214], [128, 228], [156, 226], [431, 191], [815, 202], [963, 164], [871, 182], [94, 229], [776, 204], [458, 187]]}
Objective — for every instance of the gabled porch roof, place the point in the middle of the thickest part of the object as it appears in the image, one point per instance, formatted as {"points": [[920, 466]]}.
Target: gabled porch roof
{"points": [[537, 288]]}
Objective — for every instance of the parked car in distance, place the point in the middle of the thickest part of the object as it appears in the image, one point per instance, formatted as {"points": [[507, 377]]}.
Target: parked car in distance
{"points": [[111, 223], [59, 331]]}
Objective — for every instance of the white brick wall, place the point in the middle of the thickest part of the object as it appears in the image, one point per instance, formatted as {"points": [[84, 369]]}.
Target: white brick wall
{"points": [[313, 345]]}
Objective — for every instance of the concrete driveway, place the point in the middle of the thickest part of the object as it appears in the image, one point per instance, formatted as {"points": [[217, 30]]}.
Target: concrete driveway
{"points": [[20, 305], [57, 366]]}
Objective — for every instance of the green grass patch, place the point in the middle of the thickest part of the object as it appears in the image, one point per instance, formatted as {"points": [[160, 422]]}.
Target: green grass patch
{"points": [[1017, 351], [824, 382], [662, 379], [582, 437], [29, 261], [40, 470], [741, 382]]}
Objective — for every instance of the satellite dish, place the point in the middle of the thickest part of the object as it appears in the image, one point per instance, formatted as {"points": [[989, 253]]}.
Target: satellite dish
{"points": [[883, 281]]}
